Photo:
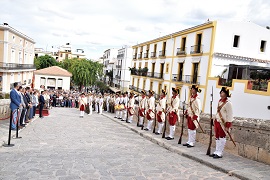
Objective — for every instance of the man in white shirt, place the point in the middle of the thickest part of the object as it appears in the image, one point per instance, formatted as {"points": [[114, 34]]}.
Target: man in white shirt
{"points": [[125, 101], [116, 106], [101, 104]]}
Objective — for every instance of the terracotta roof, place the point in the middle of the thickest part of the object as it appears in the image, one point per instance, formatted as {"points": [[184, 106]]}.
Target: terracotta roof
{"points": [[54, 71]]}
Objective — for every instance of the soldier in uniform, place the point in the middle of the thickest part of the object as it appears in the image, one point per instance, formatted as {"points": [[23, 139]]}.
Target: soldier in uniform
{"points": [[193, 115], [82, 102], [160, 111], [125, 101], [97, 103], [141, 112], [223, 121], [173, 112], [116, 106], [150, 110], [130, 107], [101, 101], [108, 103], [90, 100]]}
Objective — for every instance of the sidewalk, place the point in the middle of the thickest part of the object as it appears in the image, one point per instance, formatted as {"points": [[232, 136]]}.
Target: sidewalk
{"points": [[231, 164], [4, 130]]}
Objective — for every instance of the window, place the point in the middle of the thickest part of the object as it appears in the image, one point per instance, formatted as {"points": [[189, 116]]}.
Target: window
{"points": [[194, 76], [180, 71], [236, 41], [144, 84], [167, 67], [183, 44], [13, 37], [146, 64], [134, 65], [262, 47], [140, 65], [151, 86], [165, 87]]}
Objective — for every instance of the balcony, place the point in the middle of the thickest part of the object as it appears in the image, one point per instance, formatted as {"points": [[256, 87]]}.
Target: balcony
{"points": [[140, 56], [155, 75], [192, 79], [145, 55], [196, 49], [177, 78], [158, 75], [118, 66], [162, 53], [153, 54], [117, 77], [15, 66], [181, 51], [117, 86], [131, 87], [135, 56], [120, 55]]}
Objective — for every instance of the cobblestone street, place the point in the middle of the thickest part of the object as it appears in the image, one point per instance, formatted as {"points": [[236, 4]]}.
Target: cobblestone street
{"points": [[64, 146]]}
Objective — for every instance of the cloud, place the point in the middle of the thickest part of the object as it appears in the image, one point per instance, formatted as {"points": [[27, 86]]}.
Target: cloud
{"points": [[98, 25]]}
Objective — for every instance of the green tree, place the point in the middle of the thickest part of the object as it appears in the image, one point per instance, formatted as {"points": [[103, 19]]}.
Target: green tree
{"points": [[44, 62], [85, 72], [67, 64]]}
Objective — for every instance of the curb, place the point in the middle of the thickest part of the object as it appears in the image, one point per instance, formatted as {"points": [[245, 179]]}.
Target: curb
{"points": [[175, 149], [4, 140]]}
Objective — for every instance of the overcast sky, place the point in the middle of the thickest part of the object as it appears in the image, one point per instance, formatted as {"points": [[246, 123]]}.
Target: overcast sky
{"points": [[97, 25]]}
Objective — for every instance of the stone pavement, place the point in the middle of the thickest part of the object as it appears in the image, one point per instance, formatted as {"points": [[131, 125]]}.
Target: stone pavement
{"points": [[231, 164], [64, 146]]}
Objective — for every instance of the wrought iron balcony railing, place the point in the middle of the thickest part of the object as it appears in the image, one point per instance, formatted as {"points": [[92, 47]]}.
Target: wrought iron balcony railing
{"points": [[10, 66], [181, 51], [162, 53], [135, 56], [118, 66], [153, 54], [192, 79], [177, 77], [145, 55], [120, 55], [118, 77], [196, 49], [140, 56]]}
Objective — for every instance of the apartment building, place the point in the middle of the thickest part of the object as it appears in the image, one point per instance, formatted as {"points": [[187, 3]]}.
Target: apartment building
{"points": [[121, 72], [216, 51], [109, 60], [16, 58]]}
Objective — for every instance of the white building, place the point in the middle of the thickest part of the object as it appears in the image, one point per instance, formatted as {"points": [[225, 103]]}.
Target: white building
{"points": [[225, 50], [122, 72], [109, 60], [16, 58], [52, 78]]}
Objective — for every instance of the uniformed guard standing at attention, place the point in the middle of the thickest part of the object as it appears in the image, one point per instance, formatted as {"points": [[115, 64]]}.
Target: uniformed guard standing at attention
{"points": [[150, 110], [116, 106], [160, 111], [193, 115], [130, 107], [141, 113], [173, 112], [222, 122]]}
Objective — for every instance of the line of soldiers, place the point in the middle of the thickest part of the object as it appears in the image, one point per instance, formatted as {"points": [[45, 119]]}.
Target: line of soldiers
{"points": [[147, 112]]}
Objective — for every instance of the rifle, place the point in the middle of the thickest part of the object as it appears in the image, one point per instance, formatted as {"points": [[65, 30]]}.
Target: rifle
{"points": [[154, 129], [165, 125], [138, 112], [182, 128], [211, 125]]}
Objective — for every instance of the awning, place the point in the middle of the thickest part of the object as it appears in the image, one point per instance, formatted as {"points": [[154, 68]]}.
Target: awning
{"points": [[114, 89]]}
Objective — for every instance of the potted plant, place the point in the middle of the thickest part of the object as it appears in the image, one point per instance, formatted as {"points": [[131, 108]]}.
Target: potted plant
{"points": [[144, 71]]}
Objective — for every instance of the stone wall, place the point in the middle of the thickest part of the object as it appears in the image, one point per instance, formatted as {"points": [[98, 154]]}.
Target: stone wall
{"points": [[252, 137], [4, 109]]}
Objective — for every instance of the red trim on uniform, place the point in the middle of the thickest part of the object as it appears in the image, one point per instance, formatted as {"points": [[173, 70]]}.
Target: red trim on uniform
{"points": [[219, 133], [148, 116], [223, 100], [194, 96], [158, 116], [190, 123], [141, 112], [228, 124], [82, 107], [195, 117], [172, 118]]}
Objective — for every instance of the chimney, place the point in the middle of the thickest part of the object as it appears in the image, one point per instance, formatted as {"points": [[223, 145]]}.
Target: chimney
{"points": [[5, 24]]}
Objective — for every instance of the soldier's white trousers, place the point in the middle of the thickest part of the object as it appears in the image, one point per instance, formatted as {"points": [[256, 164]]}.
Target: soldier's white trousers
{"points": [[117, 114], [130, 118], [141, 120], [100, 109], [191, 137], [172, 131], [108, 105], [90, 110], [81, 113], [124, 117], [96, 106], [220, 144], [149, 124], [160, 127]]}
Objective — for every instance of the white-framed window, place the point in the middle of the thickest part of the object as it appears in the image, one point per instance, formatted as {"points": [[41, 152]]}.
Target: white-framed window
{"points": [[262, 46]]}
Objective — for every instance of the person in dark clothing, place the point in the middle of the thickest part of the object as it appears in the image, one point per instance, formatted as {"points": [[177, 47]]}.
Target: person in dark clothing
{"points": [[41, 104], [54, 97]]}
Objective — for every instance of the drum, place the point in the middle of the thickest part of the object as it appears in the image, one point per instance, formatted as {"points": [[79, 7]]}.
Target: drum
{"points": [[116, 107], [121, 107]]}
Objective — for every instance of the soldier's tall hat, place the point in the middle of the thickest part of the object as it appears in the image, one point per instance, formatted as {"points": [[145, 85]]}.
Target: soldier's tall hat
{"points": [[163, 91], [176, 90], [226, 91], [196, 87], [151, 92]]}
